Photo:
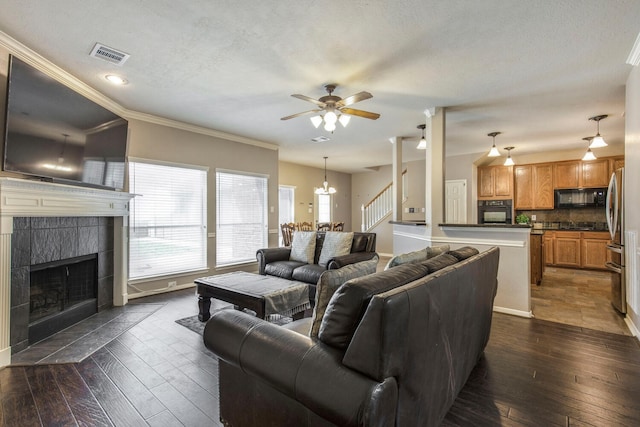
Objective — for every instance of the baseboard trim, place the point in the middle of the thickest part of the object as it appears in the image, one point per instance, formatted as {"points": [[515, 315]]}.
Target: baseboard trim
{"points": [[160, 291], [5, 357], [634, 331], [519, 313]]}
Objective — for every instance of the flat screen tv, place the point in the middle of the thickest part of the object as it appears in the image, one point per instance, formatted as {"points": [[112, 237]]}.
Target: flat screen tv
{"points": [[54, 133]]}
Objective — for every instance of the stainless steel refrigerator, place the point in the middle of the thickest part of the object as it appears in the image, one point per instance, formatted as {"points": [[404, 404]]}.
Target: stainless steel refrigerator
{"points": [[615, 221]]}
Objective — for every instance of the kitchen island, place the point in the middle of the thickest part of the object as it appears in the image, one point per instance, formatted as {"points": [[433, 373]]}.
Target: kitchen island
{"points": [[514, 295]]}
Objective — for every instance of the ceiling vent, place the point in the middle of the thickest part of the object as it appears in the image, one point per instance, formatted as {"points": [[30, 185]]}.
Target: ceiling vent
{"points": [[320, 139], [109, 54]]}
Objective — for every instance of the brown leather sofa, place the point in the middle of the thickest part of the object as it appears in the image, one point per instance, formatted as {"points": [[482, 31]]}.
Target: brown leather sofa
{"points": [[275, 261], [394, 349]]}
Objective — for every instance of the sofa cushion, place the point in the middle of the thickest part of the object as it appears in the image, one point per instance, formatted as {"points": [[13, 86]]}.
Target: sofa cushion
{"points": [[330, 281], [303, 246], [308, 273], [349, 302], [463, 253], [336, 243], [282, 269], [417, 256], [360, 242], [439, 262]]}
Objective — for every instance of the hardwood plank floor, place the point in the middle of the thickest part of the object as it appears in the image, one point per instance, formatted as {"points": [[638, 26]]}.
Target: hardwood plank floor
{"points": [[158, 373]]}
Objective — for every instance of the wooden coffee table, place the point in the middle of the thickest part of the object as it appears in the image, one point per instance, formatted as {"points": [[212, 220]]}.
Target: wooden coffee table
{"points": [[265, 295]]}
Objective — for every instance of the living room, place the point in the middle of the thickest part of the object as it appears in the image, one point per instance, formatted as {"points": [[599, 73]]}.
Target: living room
{"points": [[153, 135]]}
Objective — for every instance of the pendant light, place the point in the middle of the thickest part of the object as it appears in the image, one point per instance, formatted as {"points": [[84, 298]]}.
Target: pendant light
{"points": [[325, 189], [494, 151], [422, 145], [509, 161], [589, 154], [598, 141]]}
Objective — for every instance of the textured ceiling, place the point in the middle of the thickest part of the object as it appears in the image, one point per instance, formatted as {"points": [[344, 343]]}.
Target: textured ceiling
{"points": [[534, 70]]}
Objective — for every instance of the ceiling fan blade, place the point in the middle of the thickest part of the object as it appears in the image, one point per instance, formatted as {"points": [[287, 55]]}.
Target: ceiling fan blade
{"points": [[360, 113], [300, 114], [353, 99], [306, 98]]}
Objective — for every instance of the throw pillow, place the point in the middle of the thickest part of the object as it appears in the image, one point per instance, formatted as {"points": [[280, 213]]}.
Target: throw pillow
{"points": [[332, 280], [416, 256], [463, 253], [336, 243], [303, 246]]}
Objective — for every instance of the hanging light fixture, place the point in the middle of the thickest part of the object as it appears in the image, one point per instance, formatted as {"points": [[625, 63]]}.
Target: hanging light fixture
{"points": [[598, 141], [589, 154], [325, 189], [494, 151], [509, 161], [422, 145]]}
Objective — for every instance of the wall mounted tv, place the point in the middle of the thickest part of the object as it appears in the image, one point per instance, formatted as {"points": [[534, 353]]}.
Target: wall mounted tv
{"points": [[54, 133]]}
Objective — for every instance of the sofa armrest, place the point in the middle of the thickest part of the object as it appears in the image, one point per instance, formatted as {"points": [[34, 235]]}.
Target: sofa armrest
{"points": [[341, 261], [267, 255], [302, 368]]}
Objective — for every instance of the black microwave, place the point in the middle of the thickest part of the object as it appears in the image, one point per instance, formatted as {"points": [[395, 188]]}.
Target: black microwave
{"points": [[580, 198]]}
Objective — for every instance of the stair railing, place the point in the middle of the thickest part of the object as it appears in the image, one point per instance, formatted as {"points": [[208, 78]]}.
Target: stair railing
{"points": [[381, 206]]}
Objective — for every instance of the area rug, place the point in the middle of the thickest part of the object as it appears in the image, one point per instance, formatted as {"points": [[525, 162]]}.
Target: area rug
{"points": [[193, 324]]}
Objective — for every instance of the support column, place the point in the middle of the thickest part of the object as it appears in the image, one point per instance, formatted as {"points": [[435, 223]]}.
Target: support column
{"points": [[6, 230], [397, 178], [435, 169]]}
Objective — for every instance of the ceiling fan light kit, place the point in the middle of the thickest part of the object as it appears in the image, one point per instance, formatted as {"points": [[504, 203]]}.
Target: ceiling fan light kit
{"points": [[494, 151], [333, 109]]}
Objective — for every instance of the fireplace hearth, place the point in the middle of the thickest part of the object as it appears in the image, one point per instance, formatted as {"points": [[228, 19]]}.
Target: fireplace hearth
{"points": [[61, 293]]}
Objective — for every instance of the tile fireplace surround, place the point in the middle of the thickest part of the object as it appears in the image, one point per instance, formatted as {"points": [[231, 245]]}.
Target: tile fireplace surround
{"points": [[26, 198]]}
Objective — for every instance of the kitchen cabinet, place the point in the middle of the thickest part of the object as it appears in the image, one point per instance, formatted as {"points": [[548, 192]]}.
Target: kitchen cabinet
{"points": [[567, 249], [578, 174], [575, 249], [533, 186], [495, 182], [594, 250], [615, 163]]}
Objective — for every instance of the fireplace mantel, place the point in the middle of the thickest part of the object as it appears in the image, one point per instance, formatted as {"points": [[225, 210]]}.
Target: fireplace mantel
{"points": [[29, 198], [20, 197]]}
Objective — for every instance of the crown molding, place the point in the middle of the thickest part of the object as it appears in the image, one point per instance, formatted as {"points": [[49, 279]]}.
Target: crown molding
{"points": [[41, 63], [634, 55]]}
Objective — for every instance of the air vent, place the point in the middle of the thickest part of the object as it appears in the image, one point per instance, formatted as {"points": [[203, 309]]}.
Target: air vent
{"points": [[320, 139], [109, 54]]}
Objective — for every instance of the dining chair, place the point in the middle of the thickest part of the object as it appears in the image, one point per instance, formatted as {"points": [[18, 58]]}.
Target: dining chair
{"points": [[287, 233], [337, 226]]}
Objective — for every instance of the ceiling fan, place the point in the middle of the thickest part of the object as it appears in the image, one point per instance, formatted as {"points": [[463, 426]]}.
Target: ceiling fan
{"points": [[334, 108]]}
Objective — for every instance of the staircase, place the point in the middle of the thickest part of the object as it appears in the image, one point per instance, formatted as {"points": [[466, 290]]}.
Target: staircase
{"points": [[381, 206]]}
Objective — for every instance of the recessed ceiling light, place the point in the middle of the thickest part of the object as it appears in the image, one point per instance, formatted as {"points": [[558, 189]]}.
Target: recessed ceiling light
{"points": [[116, 80]]}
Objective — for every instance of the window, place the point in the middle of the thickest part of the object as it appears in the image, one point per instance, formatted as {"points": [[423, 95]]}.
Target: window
{"points": [[242, 219], [286, 206], [167, 231], [324, 208]]}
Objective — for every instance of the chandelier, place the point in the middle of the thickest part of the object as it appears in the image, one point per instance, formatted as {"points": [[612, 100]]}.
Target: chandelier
{"points": [[325, 189]]}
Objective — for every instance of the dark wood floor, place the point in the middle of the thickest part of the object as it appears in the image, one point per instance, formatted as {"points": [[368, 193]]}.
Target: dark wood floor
{"points": [[158, 373]]}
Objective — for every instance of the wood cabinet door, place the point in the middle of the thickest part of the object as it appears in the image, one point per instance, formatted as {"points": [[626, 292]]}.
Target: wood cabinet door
{"points": [[566, 174], [548, 249], [594, 253], [542, 188], [567, 249], [595, 173], [615, 164], [524, 189], [503, 182], [486, 182]]}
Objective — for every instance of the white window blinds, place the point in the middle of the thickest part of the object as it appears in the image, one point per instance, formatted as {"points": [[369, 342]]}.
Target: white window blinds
{"points": [[167, 230], [241, 218]]}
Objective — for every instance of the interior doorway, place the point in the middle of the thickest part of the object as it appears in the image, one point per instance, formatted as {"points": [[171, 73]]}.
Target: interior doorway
{"points": [[456, 201]]}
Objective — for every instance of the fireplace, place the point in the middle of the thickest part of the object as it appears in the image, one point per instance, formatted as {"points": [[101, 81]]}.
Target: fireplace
{"points": [[61, 293]]}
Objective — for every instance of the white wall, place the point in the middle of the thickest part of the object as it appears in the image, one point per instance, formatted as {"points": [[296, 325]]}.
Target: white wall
{"points": [[631, 194]]}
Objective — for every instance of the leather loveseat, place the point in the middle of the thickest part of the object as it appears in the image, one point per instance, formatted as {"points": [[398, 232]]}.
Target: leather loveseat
{"points": [[394, 348], [276, 262]]}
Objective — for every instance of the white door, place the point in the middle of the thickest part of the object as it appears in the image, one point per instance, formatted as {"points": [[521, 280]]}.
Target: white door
{"points": [[456, 201]]}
